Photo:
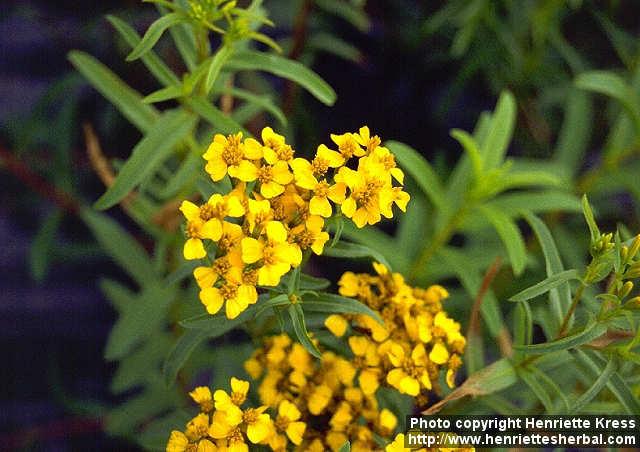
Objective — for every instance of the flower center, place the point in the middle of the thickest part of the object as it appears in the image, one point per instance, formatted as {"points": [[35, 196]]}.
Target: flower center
{"points": [[250, 277], [221, 265], [367, 194], [238, 398], [192, 230], [282, 423], [373, 143], [348, 147], [207, 212], [269, 255], [320, 166], [250, 416], [265, 174], [229, 291], [232, 153], [235, 436], [321, 189], [304, 239]]}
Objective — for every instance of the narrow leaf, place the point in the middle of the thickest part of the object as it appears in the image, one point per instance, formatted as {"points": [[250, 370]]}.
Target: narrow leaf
{"points": [[126, 99], [591, 222], [354, 250], [592, 331], [153, 34], [40, 249], [221, 122], [510, 236], [596, 388], [576, 130], [299, 327], [546, 285], [163, 94], [180, 353], [251, 60], [218, 60], [335, 304], [494, 147], [148, 154], [127, 252]]}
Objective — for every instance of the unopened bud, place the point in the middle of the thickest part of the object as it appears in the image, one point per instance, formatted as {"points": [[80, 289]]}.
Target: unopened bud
{"points": [[625, 289], [634, 303], [624, 254], [635, 247]]}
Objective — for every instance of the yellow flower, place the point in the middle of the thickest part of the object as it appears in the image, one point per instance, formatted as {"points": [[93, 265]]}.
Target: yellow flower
{"points": [[319, 399], [288, 421], [364, 138], [202, 396], [197, 427], [387, 421], [439, 353], [271, 178], [337, 324], [310, 234], [342, 417], [363, 203], [206, 446], [199, 226], [367, 359], [275, 149], [221, 267], [347, 145], [225, 154], [233, 293], [178, 442], [410, 372], [382, 157], [275, 254]]}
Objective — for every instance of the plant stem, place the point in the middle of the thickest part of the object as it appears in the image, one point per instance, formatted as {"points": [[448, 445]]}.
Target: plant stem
{"points": [[574, 303]]}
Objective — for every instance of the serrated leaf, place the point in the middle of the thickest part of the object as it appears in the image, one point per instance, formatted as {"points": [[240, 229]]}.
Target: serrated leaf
{"points": [[138, 320], [420, 170], [156, 146], [251, 61], [494, 147], [155, 65], [119, 244], [300, 329], [126, 99], [546, 285], [335, 304], [354, 250], [153, 34], [510, 236], [592, 331], [217, 62]]}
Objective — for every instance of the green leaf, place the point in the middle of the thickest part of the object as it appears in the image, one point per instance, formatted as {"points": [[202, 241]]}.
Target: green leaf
{"points": [[592, 331], [138, 320], [299, 327], [616, 383], [348, 11], [420, 170], [275, 302], [612, 85], [596, 388], [217, 324], [329, 43], [308, 282], [576, 130], [163, 94], [184, 38], [127, 252], [346, 447], [541, 201], [119, 296], [188, 169], [471, 148], [126, 99], [218, 60], [153, 34], [40, 249], [222, 123], [494, 147], [546, 285], [510, 236], [264, 102], [560, 298], [537, 388], [251, 60], [181, 351], [154, 63], [335, 304], [156, 146], [522, 324], [591, 222], [136, 368], [354, 250]]}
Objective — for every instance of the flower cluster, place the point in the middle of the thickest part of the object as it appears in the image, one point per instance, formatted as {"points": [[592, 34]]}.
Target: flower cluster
{"points": [[333, 408], [276, 209], [223, 424], [417, 340]]}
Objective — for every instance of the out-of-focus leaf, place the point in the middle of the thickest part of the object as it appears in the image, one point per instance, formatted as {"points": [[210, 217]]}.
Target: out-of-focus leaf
{"points": [[300, 328], [546, 285], [576, 129], [184, 38], [590, 332], [510, 236], [589, 218], [420, 170], [126, 99], [348, 11], [494, 147], [153, 34], [493, 378], [163, 94], [514, 204], [155, 64], [139, 320], [127, 252], [217, 62], [135, 369], [335, 304], [119, 296], [181, 351], [221, 122], [265, 102], [346, 447], [326, 42], [596, 388], [354, 250], [151, 151], [471, 148], [40, 250], [187, 171], [308, 282], [522, 324], [257, 61], [538, 390]]}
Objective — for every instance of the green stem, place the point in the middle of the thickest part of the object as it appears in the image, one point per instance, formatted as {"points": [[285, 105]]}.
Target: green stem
{"points": [[574, 303], [439, 240]]}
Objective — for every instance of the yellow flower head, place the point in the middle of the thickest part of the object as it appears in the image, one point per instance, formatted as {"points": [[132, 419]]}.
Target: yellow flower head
{"points": [[202, 396], [224, 154], [234, 293], [199, 226]]}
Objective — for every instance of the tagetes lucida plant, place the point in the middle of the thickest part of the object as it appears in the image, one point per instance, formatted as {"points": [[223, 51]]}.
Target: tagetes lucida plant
{"points": [[277, 208]]}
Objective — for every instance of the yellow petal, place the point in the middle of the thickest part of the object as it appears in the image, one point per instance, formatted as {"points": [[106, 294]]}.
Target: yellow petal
{"points": [[245, 171], [320, 206], [295, 431], [269, 275], [439, 353], [212, 299], [271, 189], [205, 276], [348, 207], [194, 249], [276, 232], [217, 169], [336, 324], [206, 446], [360, 217], [368, 382], [235, 307], [234, 207], [247, 293], [189, 210], [409, 385], [252, 149], [239, 386], [212, 229], [259, 430], [288, 410], [337, 193], [251, 250]]}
